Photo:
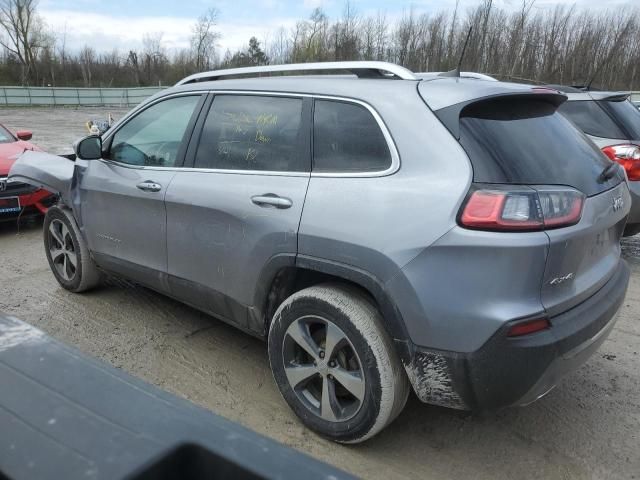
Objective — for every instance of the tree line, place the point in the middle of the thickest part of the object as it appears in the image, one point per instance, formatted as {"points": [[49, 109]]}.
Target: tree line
{"points": [[565, 44]]}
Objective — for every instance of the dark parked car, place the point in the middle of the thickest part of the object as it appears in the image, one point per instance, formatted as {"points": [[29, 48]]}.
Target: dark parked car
{"points": [[456, 235], [613, 123]]}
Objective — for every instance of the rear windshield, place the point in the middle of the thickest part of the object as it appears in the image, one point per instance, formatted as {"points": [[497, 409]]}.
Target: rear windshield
{"points": [[591, 119], [526, 141], [626, 114]]}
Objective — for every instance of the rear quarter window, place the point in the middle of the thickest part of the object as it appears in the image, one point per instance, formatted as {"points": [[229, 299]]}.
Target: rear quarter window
{"points": [[591, 119], [347, 138], [526, 141], [626, 114]]}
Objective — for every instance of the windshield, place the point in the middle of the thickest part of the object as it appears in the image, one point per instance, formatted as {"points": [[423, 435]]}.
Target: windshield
{"points": [[627, 115], [5, 136], [528, 142]]}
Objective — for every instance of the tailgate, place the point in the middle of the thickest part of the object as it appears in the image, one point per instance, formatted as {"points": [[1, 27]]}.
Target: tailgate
{"points": [[583, 257]]}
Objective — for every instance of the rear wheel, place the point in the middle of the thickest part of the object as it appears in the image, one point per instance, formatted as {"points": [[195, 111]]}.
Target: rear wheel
{"points": [[334, 363], [67, 252]]}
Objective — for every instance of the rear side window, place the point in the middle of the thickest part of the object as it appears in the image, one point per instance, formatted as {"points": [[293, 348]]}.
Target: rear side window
{"points": [[591, 119], [248, 132], [346, 138], [528, 142], [626, 114]]}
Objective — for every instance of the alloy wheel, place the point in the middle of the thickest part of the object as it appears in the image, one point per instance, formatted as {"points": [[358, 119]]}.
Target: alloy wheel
{"points": [[323, 368], [62, 250]]}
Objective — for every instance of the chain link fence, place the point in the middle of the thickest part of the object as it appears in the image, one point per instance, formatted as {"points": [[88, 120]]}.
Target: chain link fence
{"points": [[74, 97]]}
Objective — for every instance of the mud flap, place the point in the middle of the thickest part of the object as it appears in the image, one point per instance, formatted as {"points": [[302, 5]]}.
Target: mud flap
{"points": [[432, 380]]}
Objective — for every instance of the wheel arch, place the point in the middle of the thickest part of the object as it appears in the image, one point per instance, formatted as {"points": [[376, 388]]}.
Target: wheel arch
{"points": [[286, 274]]}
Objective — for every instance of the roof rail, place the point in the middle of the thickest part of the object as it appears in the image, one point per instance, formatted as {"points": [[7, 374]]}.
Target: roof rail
{"points": [[360, 69]]}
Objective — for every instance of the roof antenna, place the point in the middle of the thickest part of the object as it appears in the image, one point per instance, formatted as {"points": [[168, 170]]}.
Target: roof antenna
{"points": [[595, 74], [456, 71]]}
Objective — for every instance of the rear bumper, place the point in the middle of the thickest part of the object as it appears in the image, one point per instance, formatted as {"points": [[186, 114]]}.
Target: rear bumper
{"points": [[518, 370]]}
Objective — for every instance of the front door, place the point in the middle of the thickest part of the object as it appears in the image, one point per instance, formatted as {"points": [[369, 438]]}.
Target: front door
{"points": [[239, 208], [122, 196]]}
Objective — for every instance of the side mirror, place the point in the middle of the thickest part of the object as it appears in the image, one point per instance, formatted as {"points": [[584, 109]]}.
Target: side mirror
{"points": [[88, 148], [24, 135]]}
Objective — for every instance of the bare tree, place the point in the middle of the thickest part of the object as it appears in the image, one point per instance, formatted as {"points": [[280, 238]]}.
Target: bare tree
{"points": [[87, 59], [204, 38], [549, 44], [24, 31]]}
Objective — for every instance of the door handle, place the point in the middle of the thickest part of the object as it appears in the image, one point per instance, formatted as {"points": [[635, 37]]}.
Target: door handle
{"points": [[149, 186], [271, 200]]}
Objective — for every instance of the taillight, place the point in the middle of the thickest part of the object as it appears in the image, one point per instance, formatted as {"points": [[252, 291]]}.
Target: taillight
{"points": [[528, 327], [521, 208], [626, 155]]}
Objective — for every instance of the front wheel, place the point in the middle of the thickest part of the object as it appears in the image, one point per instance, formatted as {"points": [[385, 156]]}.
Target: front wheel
{"points": [[335, 365], [67, 252]]}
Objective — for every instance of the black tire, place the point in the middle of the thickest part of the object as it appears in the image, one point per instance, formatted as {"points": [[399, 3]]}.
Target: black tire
{"points": [[365, 344], [63, 240]]}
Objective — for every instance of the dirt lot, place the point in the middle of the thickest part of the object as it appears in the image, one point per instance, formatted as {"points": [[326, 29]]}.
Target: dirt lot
{"points": [[588, 427]]}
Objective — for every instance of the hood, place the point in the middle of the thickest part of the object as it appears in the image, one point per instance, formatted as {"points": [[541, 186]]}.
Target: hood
{"points": [[9, 152], [46, 171]]}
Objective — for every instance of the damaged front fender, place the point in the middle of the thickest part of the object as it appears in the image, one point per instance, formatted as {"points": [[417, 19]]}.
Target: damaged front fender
{"points": [[43, 170]]}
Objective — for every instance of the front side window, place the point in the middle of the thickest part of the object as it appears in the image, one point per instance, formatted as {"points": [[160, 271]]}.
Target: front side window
{"points": [[154, 136], [251, 132], [346, 138]]}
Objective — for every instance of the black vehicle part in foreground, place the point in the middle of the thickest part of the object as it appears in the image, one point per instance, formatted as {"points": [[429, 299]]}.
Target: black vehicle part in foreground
{"points": [[65, 415]]}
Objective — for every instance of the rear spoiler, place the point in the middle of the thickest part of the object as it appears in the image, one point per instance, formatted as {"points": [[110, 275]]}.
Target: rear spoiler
{"points": [[610, 96], [450, 116]]}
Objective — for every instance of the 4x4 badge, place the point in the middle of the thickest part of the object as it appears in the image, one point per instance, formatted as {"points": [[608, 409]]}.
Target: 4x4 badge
{"points": [[618, 203]]}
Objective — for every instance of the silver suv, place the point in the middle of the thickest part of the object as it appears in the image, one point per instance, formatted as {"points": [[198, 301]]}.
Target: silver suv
{"points": [[380, 231], [613, 123]]}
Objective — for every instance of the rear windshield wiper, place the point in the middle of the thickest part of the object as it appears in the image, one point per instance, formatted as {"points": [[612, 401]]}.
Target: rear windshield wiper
{"points": [[608, 172]]}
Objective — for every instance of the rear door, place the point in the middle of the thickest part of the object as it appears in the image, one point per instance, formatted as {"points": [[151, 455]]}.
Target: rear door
{"points": [[526, 141], [122, 196], [238, 207]]}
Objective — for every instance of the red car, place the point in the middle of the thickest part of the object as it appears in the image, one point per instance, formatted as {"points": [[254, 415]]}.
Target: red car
{"points": [[18, 199]]}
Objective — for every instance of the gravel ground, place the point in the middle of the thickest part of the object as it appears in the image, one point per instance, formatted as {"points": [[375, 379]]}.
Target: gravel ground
{"points": [[588, 427]]}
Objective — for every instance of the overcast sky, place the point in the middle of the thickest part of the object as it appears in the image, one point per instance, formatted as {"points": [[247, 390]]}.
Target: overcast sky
{"points": [[121, 23]]}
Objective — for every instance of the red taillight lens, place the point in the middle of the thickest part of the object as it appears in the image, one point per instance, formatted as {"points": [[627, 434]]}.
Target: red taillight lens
{"points": [[526, 328], [522, 209], [626, 155]]}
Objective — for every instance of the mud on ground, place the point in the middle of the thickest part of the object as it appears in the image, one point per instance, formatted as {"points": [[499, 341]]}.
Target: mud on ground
{"points": [[588, 427]]}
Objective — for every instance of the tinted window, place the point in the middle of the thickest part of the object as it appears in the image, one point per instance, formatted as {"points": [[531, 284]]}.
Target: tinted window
{"points": [[591, 119], [627, 114], [346, 138], [153, 137], [5, 136], [244, 132], [528, 142]]}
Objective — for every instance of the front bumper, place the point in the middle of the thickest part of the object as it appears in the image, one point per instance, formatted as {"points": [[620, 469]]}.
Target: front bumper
{"points": [[32, 202], [518, 370]]}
